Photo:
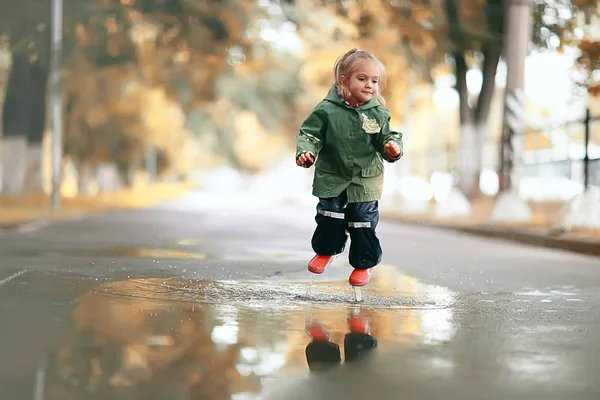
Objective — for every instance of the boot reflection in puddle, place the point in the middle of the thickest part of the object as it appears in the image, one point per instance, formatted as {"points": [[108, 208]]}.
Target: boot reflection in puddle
{"points": [[322, 354]]}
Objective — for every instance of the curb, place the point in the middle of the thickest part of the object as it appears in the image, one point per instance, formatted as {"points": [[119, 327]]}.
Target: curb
{"points": [[588, 247]]}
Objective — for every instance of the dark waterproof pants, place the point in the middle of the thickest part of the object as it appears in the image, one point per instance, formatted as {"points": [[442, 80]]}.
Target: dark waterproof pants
{"points": [[335, 217], [323, 356]]}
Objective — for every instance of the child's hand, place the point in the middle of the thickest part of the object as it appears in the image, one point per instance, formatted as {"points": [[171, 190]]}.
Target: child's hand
{"points": [[305, 160], [392, 150]]}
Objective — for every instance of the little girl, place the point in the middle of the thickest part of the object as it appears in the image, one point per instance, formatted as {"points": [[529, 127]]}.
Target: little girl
{"points": [[349, 135]]}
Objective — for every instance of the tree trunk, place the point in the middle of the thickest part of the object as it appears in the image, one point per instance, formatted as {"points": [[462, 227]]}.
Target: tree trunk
{"points": [[15, 124], [226, 141], [3, 74], [474, 121], [37, 124], [126, 175], [4, 69], [34, 173], [108, 177], [469, 160], [85, 177], [14, 157]]}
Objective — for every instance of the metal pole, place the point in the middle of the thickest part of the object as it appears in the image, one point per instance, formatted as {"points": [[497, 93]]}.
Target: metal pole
{"points": [[518, 35], [586, 157], [56, 101]]}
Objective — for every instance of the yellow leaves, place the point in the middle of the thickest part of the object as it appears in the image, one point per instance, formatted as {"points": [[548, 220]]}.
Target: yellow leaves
{"points": [[585, 3], [183, 150], [111, 105], [111, 24], [471, 9], [81, 35], [234, 26], [161, 117], [219, 112], [96, 116], [591, 48], [113, 46], [254, 146], [421, 14], [589, 61], [422, 45], [594, 90]]}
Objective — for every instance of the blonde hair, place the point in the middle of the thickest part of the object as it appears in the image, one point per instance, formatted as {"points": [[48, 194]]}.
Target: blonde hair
{"points": [[345, 66]]}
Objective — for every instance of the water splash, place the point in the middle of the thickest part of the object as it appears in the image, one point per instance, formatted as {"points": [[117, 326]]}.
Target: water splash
{"points": [[358, 294], [310, 285]]}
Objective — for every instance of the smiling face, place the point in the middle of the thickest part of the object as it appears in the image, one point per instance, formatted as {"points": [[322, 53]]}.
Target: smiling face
{"points": [[363, 82]]}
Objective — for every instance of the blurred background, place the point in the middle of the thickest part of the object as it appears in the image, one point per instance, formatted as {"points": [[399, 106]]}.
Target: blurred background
{"points": [[157, 96], [193, 107]]}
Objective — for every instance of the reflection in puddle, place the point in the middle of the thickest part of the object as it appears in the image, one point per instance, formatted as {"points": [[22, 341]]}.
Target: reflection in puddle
{"points": [[149, 252], [158, 338], [154, 253], [191, 241]]}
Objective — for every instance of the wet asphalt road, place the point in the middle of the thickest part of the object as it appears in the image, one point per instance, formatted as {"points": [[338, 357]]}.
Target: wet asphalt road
{"points": [[206, 298]]}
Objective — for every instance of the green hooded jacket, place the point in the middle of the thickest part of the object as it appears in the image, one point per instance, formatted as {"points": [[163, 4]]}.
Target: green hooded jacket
{"points": [[348, 145]]}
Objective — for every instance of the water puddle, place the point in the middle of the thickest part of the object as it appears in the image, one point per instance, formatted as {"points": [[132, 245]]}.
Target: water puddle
{"points": [[149, 252], [123, 252], [190, 241], [281, 294], [184, 251], [171, 338]]}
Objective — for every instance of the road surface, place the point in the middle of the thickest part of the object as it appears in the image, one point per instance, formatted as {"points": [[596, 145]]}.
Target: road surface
{"points": [[208, 297]]}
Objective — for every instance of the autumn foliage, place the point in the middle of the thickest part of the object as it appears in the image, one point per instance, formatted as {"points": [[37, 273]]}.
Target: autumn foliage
{"points": [[203, 82]]}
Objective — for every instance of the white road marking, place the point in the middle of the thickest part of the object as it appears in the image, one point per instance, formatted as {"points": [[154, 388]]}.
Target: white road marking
{"points": [[32, 226], [13, 276], [40, 380]]}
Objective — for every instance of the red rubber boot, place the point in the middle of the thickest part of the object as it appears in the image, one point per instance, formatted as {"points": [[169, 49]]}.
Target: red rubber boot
{"points": [[318, 264]]}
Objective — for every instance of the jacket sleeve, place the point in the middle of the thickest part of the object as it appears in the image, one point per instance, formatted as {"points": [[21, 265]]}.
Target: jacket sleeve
{"points": [[388, 135], [312, 133]]}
